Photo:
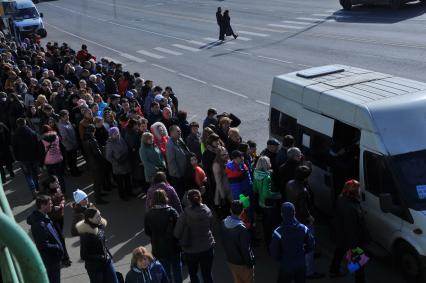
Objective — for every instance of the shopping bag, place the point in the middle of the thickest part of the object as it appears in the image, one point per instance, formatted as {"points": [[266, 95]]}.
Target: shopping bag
{"points": [[356, 259]]}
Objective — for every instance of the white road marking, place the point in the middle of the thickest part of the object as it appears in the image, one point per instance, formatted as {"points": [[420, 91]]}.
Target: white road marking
{"points": [[330, 11], [192, 78], [168, 51], [243, 38], [310, 19], [285, 26], [296, 23], [197, 42], [321, 15], [132, 58], [150, 54], [164, 68], [230, 91], [217, 41], [186, 47], [263, 103], [253, 33], [274, 59]]}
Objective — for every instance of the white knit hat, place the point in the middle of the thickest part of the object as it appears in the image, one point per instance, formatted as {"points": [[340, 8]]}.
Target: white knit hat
{"points": [[79, 195]]}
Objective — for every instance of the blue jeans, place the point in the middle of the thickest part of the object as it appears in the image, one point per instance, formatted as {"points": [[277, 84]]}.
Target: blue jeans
{"points": [[30, 170], [107, 275], [204, 260], [173, 267]]}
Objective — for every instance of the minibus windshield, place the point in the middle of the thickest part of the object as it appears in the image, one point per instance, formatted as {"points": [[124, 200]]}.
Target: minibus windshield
{"points": [[26, 13], [410, 169]]}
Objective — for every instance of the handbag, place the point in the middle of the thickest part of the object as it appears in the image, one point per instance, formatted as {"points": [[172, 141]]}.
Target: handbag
{"points": [[356, 259]]}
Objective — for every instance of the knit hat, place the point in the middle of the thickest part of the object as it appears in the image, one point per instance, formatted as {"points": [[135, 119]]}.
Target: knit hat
{"points": [[130, 94], [113, 131], [79, 196], [158, 97], [288, 213]]}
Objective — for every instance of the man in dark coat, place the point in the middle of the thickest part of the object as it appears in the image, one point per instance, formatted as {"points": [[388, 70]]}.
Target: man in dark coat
{"points": [[28, 151], [219, 19], [290, 242], [96, 162], [46, 238], [236, 242]]}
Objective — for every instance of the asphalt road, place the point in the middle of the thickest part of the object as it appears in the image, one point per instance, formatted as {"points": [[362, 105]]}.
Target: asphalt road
{"points": [[173, 42]]}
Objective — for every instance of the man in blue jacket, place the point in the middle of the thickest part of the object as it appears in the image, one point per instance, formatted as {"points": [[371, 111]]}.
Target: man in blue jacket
{"points": [[47, 238], [290, 242]]}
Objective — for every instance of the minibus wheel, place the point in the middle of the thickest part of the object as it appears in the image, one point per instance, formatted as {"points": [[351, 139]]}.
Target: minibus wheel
{"points": [[409, 262], [395, 4]]}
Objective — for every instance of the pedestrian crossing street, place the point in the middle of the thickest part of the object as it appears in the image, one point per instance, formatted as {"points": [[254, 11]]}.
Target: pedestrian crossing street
{"points": [[200, 44]]}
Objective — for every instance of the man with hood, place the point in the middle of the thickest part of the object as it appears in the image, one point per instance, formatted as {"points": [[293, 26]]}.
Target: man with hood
{"points": [[290, 242], [236, 242], [46, 238]]}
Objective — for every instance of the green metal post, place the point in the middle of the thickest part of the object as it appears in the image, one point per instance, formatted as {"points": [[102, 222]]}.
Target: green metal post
{"points": [[24, 251]]}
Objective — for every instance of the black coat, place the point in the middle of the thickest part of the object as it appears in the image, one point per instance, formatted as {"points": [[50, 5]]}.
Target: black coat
{"points": [[236, 242], [5, 153], [95, 159], [93, 249], [159, 226], [25, 145], [350, 227], [46, 238]]}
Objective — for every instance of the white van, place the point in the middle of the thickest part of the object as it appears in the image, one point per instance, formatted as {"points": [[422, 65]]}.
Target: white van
{"points": [[395, 4], [356, 123], [27, 18]]}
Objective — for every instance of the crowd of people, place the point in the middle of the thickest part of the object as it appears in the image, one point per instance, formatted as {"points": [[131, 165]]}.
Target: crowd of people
{"points": [[58, 105]]}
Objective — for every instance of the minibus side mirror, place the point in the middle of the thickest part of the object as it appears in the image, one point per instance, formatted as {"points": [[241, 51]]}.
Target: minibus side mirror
{"points": [[41, 15], [387, 205]]}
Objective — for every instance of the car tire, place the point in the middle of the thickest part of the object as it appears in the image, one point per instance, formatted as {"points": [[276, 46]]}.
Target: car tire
{"points": [[408, 260], [395, 4], [346, 4]]}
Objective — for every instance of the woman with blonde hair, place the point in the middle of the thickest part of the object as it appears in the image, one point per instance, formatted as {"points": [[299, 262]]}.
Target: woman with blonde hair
{"points": [[161, 136], [262, 185], [144, 268]]}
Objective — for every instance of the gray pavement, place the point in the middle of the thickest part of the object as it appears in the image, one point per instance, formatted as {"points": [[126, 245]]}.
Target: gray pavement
{"points": [[173, 43]]}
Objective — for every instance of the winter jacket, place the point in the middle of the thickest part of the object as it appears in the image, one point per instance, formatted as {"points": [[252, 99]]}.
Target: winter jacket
{"points": [[199, 219], [222, 190], [57, 213], [5, 153], [298, 195], [155, 273], [84, 123], [176, 158], [46, 238], [77, 217], [174, 200], [236, 242], [152, 160], [286, 172], [159, 223], [117, 153], [68, 135], [110, 86], [52, 148], [93, 249], [239, 179], [262, 185], [194, 145], [350, 229], [94, 157], [290, 242], [25, 145]]}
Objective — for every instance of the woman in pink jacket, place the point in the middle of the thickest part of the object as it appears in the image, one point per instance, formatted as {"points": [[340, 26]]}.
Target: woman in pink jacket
{"points": [[53, 158]]}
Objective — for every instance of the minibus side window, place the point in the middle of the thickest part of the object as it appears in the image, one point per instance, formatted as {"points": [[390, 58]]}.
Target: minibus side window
{"points": [[378, 177], [315, 146], [282, 124]]}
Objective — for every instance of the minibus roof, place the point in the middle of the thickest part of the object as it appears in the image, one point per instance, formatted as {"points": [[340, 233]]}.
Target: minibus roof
{"points": [[365, 99]]}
